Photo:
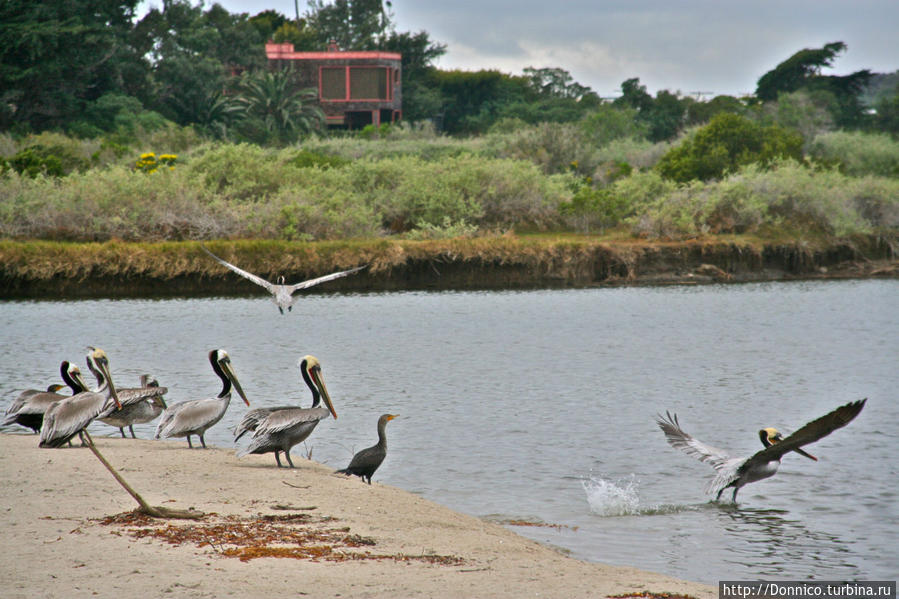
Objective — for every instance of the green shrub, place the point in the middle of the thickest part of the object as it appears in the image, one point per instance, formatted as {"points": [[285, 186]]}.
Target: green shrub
{"points": [[857, 153], [37, 160], [724, 145], [316, 159]]}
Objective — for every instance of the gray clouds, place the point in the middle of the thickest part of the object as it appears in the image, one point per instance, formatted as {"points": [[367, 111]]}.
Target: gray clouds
{"points": [[719, 46]]}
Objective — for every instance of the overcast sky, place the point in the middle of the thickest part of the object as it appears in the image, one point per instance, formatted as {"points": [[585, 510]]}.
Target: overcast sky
{"points": [[717, 46]]}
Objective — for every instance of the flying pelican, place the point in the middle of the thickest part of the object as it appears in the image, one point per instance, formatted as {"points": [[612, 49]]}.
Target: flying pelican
{"points": [[139, 405], [195, 416], [29, 407], [278, 429], [70, 416], [737, 472], [282, 294], [365, 462]]}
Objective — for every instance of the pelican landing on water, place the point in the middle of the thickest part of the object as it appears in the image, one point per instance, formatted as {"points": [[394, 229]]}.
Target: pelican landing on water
{"points": [[282, 294], [280, 428], [195, 416], [738, 472]]}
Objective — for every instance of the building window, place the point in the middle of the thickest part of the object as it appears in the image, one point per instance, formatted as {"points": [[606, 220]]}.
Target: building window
{"points": [[333, 85], [365, 83], [368, 83]]}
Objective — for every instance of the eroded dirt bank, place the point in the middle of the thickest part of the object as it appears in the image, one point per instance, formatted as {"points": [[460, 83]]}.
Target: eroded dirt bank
{"points": [[116, 269]]}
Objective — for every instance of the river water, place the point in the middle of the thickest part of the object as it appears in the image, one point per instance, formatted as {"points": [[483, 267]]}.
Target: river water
{"points": [[540, 406]]}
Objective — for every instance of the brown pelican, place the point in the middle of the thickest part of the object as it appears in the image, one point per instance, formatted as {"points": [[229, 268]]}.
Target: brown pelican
{"points": [[278, 429], [139, 405], [29, 407], [70, 416], [365, 462], [282, 294], [195, 416], [737, 472]]}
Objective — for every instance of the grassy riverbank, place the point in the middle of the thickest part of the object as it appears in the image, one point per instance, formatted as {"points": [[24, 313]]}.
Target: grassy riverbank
{"points": [[114, 268]]}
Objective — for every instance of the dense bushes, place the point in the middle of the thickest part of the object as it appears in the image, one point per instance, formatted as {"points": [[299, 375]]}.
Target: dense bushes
{"points": [[724, 145], [415, 183]]}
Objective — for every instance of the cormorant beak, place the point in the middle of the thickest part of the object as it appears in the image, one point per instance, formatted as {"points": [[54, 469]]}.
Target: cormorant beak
{"points": [[226, 368], [808, 455], [316, 374]]}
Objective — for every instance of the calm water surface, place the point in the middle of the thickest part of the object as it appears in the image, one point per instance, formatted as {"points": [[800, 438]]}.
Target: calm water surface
{"points": [[540, 405]]}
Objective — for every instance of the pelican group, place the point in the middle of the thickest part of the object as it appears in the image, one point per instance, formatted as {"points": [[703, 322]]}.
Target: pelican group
{"points": [[738, 472], [195, 416], [282, 294], [29, 407], [366, 461], [71, 415], [280, 428]]}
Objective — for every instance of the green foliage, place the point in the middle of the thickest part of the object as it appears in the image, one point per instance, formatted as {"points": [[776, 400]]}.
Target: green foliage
{"points": [[787, 197], [273, 111], [594, 210], [857, 153], [315, 159], [56, 57], [803, 71], [607, 123], [725, 144], [810, 113], [35, 161]]}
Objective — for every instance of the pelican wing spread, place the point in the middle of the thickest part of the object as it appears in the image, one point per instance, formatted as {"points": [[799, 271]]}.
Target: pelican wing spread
{"points": [[247, 275], [323, 279], [680, 439], [811, 432]]}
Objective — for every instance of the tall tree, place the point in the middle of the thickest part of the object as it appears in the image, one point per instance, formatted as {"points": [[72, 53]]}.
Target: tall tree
{"points": [[56, 56], [194, 54], [803, 71], [353, 24]]}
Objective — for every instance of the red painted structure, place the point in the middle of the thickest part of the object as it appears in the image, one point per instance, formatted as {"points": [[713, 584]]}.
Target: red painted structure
{"points": [[354, 88]]}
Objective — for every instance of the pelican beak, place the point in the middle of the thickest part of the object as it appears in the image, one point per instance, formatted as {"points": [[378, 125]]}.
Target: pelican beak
{"points": [[103, 365], [76, 376], [159, 401], [808, 455], [316, 374], [226, 367]]}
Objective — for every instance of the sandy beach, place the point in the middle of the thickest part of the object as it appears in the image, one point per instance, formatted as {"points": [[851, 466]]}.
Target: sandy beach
{"points": [[68, 531]]}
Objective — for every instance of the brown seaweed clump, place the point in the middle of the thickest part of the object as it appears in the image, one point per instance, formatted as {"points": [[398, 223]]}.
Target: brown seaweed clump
{"points": [[296, 536]]}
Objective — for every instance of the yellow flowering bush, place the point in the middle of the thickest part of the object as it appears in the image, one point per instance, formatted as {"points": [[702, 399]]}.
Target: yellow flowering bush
{"points": [[149, 163]]}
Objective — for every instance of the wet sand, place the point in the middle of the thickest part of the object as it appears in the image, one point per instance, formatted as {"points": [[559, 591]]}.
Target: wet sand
{"points": [[268, 532]]}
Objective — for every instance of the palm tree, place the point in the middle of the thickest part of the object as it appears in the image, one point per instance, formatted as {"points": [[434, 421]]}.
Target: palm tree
{"points": [[274, 109]]}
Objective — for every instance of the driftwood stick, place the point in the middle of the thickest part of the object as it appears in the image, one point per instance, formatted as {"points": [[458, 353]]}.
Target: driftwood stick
{"points": [[145, 508]]}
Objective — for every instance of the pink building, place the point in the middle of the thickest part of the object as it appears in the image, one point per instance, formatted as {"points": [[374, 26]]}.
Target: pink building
{"points": [[354, 88]]}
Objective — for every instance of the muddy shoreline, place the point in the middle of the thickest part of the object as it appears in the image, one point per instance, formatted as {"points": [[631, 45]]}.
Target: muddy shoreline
{"points": [[33, 270]]}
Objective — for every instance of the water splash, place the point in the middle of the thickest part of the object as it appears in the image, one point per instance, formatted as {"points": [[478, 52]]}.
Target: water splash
{"points": [[607, 498], [620, 498]]}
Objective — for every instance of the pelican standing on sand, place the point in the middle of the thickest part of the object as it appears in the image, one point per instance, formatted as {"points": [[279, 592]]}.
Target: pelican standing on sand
{"points": [[29, 407], [139, 405], [282, 294], [195, 416], [738, 472], [365, 462], [279, 429], [70, 416]]}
